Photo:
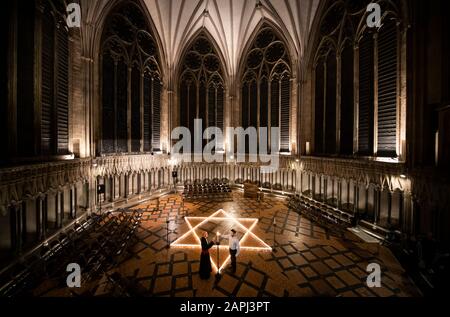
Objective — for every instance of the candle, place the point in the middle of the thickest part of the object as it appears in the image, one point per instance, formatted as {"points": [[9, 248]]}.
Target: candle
{"points": [[274, 221], [307, 148]]}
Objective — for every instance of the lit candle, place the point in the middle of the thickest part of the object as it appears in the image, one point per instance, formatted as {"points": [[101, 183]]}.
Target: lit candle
{"points": [[217, 236]]}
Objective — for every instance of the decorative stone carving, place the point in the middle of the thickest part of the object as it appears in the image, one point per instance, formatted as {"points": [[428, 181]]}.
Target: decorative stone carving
{"points": [[24, 182]]}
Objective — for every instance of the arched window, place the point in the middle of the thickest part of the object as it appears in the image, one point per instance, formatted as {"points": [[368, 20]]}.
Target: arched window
{"points": [[201, 87], [130, 64], [346, 115], [329, 112], [325, 100], [36, 107], [266, 86], [387, 88], [366, 95], [356, 109], [55, 80], [378, 82]]}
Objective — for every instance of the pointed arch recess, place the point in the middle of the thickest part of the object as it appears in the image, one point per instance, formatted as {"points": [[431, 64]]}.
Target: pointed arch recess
{"points": [[266, 88], [201, 85]]}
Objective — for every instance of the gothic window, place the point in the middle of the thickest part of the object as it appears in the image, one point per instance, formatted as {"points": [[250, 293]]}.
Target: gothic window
{"points": [[378, 90], [330, 104], [347, 99], [266, 87], [387, 89], [4, 78], [325, 99], [201, 87], [366, 95], [55, 80], [131, 83], [376, 111], [41, 119], [319, 108], [26, 111]]}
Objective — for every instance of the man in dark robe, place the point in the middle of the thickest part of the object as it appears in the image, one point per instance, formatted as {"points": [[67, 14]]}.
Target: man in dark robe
{"points": [[205, 260]]}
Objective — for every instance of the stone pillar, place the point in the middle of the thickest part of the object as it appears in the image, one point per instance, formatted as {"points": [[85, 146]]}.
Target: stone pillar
{"points": [[348, 192], [87, 194], [332, 188], [401, 213], [139, 184], [112, 187], [309, 183], [13, 217], [301, 183], [59, 208], [389, 205], [355, 198], [73, 202], [124, 186], [18, 230], [41, 205], [320, 188], [313, 186], [367, 200], [339, 194], [407, 213], [377, 205]]}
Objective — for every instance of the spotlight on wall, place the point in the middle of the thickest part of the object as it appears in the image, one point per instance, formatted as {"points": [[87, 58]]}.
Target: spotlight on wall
{"points": [[402, 176]]}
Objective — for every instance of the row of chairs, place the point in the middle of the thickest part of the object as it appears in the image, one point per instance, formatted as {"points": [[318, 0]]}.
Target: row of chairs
{"points": [[327, 216], [95, 244], [206, 191], [207, 181]]}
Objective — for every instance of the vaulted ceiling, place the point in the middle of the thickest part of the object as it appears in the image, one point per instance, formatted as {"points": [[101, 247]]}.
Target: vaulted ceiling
{"points": [[230, 22]]}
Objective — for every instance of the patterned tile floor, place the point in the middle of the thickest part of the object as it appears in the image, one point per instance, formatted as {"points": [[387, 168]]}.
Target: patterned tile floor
{"points": [[308, 261]]}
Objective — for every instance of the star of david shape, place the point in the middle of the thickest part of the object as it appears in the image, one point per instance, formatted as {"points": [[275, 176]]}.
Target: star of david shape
{"points": [[248, 241]]}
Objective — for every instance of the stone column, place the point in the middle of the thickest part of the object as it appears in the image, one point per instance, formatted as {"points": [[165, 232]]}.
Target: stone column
{"points": [[389, 204], [41, 217], [377, 205], [332, 188], [59, 208], [112, 185], [348, 192], [125, 185], [16, 227], [367, 200], [73, 202], [355, 198], [339, 194]]}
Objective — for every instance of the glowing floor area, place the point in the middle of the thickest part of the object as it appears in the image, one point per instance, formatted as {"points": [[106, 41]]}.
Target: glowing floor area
{"points": [[304, 259]]}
